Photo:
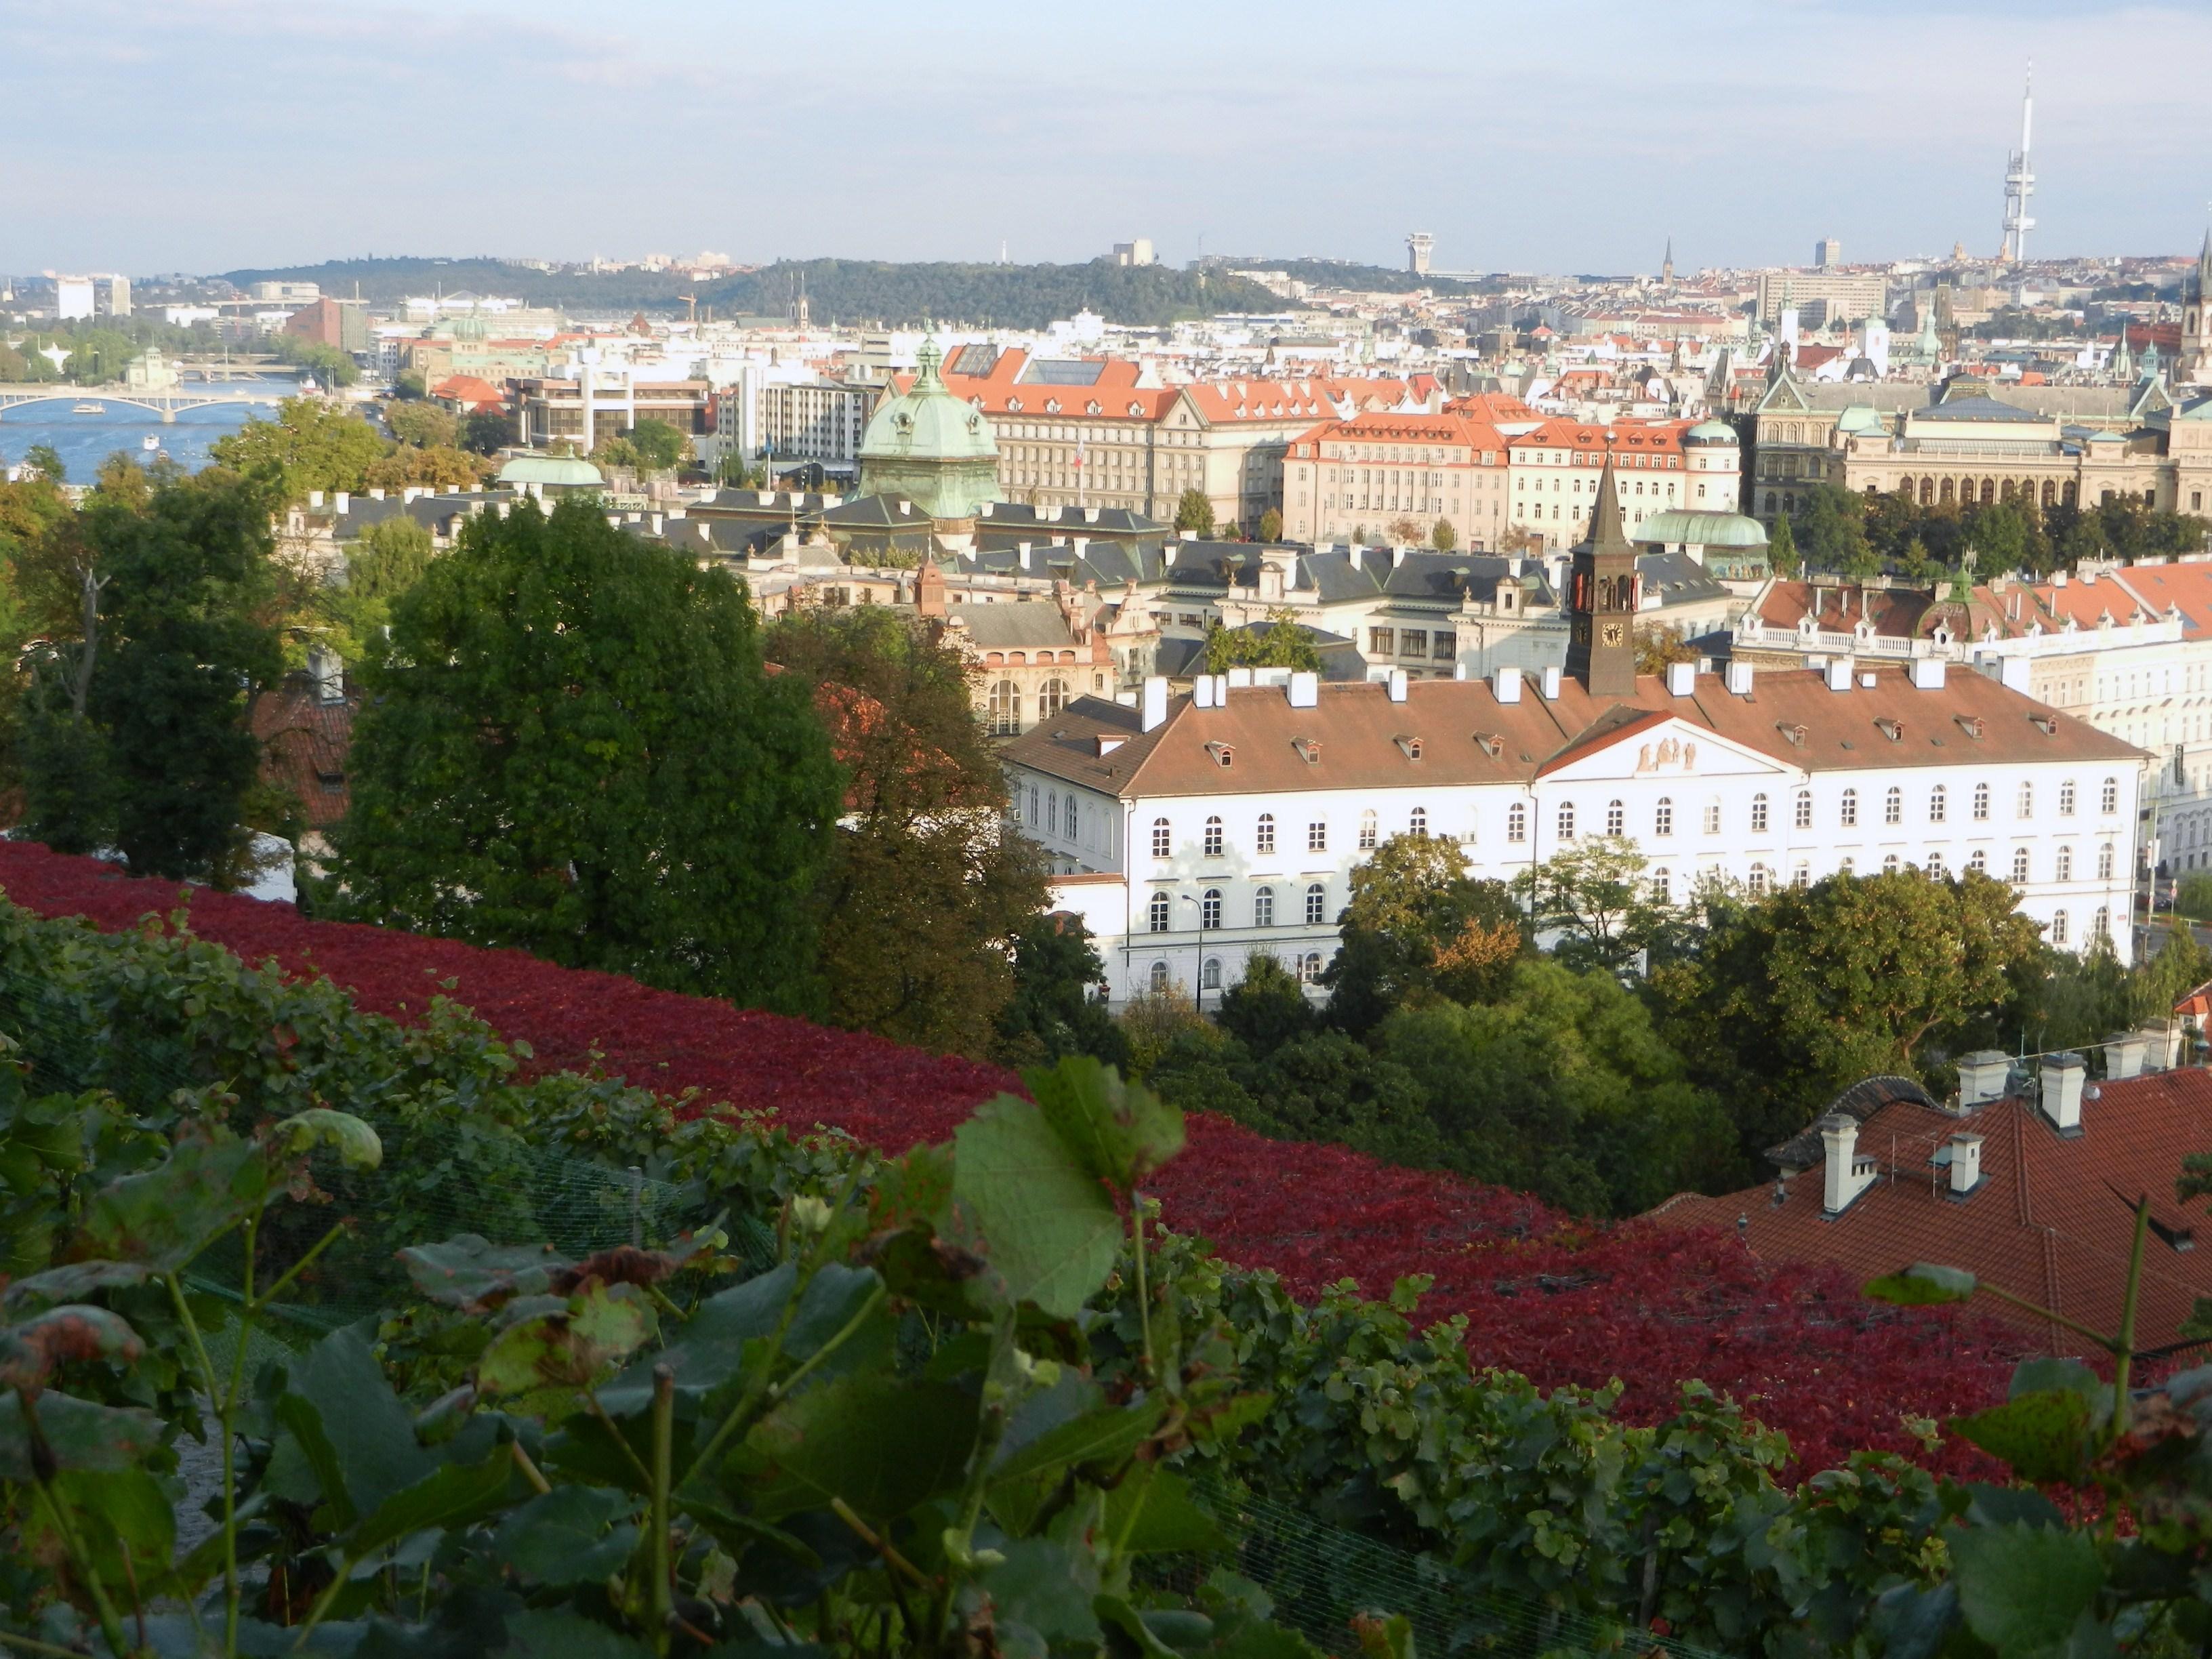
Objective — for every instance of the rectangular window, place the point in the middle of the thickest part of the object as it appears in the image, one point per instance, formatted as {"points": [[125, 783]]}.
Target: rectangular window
{"points": [[1317, 836], [1415, 643], [1381, 642]]}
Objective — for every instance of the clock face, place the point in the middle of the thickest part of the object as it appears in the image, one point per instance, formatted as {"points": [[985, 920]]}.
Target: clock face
{"points": [[1612, 633]]}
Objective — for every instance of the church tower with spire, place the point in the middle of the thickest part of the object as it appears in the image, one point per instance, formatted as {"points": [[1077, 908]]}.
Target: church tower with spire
{"points": [[2193, 363], [1667, 265], [1602, 595]]}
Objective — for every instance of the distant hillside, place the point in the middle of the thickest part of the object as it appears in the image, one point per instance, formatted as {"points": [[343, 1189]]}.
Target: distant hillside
{"points": [[1346, 273], [849, 291]]}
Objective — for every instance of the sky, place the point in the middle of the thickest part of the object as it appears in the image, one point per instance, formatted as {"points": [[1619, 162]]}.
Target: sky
{"points": [[151, 135]]}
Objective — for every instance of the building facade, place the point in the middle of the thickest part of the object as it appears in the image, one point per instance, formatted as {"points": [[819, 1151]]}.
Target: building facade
{"points": [[1663, 466], [1367, 478]]}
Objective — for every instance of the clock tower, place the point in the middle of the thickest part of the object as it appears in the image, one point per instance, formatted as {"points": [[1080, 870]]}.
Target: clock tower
{"points": [[1602, 592]]}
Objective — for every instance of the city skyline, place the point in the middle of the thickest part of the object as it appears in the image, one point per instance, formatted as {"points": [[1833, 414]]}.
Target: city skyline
{"points": [[1242, 129]]}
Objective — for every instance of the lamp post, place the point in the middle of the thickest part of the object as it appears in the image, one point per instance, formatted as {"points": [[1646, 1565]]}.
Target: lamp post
{"points": [[1198, 979]]}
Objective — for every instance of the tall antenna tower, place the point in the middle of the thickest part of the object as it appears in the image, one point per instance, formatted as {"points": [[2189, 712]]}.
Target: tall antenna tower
{"points": [[2020, 181]]}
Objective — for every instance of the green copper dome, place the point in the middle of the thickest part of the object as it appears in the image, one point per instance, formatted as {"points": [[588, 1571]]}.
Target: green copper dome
{"points": [[561, 471], [1716, 434], [1684, 526], [929, 447]]}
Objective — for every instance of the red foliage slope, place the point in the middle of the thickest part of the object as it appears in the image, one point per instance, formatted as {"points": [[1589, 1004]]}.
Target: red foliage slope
{"points": [[1561, 1302]]}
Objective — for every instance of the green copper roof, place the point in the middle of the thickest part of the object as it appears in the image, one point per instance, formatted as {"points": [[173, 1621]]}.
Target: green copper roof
{"points": [[1718, 433], [1688, 527], [1861, 419], [926, 423], [561, 470]]}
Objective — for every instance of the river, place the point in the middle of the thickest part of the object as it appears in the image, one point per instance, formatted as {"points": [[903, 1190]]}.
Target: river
{"points": [[83, 441]]}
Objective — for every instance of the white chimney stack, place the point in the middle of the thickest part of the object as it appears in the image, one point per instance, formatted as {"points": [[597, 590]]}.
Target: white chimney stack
{"points": [[1845, 1175], [1739, 679], [1397, 685], [1839, 674], [1508, 687], [1240, 677], [1928, 673], [1681, 679], [1966, 1164], [343, 501], [1551, 685], [1982, 1077], [1304, 689], [2124, 1056], [2062, 1092], [1202, 692], [1156, 703]]}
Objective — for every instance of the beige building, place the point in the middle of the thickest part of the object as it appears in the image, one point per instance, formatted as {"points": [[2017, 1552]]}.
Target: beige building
{"points": [[1104, 431], [1840, 294], [1373, 477], [1660, 466]]}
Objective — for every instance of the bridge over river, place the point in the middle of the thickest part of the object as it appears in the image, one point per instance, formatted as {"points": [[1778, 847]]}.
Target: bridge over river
{"points": [[164, 404]]}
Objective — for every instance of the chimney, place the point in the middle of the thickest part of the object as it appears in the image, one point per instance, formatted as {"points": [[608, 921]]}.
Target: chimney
{"points": [[1156, 703], [1240, 677], [2062, 1092], [2012, 674], [656, 521], [2160, 1041], [1681, 679], [1551, 685], [1352, 556], [376, 492], [1304, 689], [342, 502], [1846, 1173], [1965, 1165], [1201, 691], [1982, 1077], [1023, 548], [1508, 685], [1839, 674], [1739, 679], [1928, 673], [327, 669], [2124, 1056], [314, 500], [929, 591], [1397, 685]]}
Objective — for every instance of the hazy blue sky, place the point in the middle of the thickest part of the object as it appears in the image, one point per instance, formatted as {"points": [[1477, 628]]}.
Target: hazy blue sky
{"points": [[209, 134]]}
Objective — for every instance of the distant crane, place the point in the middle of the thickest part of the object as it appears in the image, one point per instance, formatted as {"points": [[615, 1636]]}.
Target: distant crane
{"points": [[692, 302]]}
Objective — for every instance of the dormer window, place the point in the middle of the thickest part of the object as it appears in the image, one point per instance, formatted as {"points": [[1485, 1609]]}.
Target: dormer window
{"points": [[1409, 747], [1795, 734], [1223, 755], [1493, 744], [1013, 405], [1094, 407], [1309, 751], [1970, 724], [1890, 729], [1136, 409], [1052, 405], [2046, 724], [1107, 745]]}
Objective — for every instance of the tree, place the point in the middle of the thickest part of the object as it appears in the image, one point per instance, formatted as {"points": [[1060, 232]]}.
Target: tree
{"points": [[1195, 512], [1657, 647], [310, 446], [928, 886], [1827, 531], [487, 431], [1052, 1012], [525, 775], [441, 468], [423, 425], [329, 365], [1404, 531], [1267, 1008], [384, 563], [1781, 549], [1916, 563], [1325, 1086], [1271, 525], [45, 460], [1443, 537], [659, 445], [1593, 896], [1419, 925], [409, 383], [733, 471], [1285, 643]]}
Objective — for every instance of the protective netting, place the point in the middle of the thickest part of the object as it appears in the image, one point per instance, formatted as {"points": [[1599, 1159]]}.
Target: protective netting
{"points": [[438, 1181]]}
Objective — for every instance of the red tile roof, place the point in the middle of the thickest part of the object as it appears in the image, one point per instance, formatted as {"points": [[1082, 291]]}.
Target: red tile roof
{"points": [[2050, 1221]]}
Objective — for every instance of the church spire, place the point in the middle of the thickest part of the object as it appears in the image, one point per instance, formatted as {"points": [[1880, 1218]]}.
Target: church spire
{"points": [[1667, 265], [1602, 585]]}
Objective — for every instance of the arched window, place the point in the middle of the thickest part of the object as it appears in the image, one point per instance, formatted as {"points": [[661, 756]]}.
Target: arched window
{"points": [[1893, 805], [1804, 809], [1006, 708], [1566, 820], [1263, 908], [2065, 864], [1052, 815], [1209, 908], [1160, 843], [1214, 837], [1317, 905], [1758, 882], [2100, 925], [2105, 862], [2066, 798], [1663, 816], [1981, 802], [1759, 815], [1073, 820], [1263, 838], [1978, 862], [1663, 886], [1889, 864], [1802, 877], [1935, 870], [2019, 865], [1845, 867], [1712, 817], [1159, 911], [1417, 823], [2059, 928], [1159, 977], [1367, 829], [2026, 807], [1052, 698], [1939, 804], [1309, 968], [1848, 808], [1516, 822], [2111, 802], [1616, 818], [1209, 974]]}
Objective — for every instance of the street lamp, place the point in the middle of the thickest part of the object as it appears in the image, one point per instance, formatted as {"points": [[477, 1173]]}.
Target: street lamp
{"points": [[1198, 979]]}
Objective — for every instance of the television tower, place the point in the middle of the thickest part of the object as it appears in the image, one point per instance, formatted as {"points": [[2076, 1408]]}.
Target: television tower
{"points": [[2020, 181]]}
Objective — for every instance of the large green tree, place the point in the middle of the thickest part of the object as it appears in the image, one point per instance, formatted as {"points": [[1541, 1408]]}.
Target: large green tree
{"points": [[383, 562], [424, 425], [1285, 643], [1419, 925], [1195, 512], [928, 887], [572, 747], [310, 445], [1594, 897]]}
